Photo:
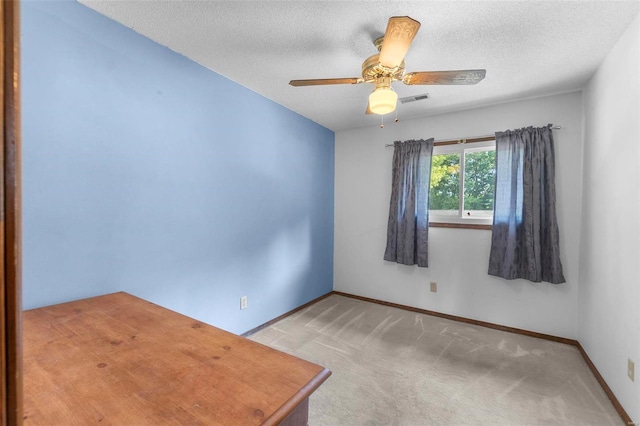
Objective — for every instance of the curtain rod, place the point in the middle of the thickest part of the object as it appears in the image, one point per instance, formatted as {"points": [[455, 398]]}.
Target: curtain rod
{"points": [[470, 140]]}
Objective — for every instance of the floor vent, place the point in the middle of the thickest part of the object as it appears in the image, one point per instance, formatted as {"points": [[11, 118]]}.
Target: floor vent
{"points": [[408, 99]]}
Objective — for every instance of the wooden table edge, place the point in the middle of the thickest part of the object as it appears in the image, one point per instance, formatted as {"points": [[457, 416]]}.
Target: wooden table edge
{"points": [[288, 407], [295, 401]]}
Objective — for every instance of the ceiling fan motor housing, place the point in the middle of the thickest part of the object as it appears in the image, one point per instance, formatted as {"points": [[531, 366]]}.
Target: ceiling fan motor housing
{"points": [[372, 70]]}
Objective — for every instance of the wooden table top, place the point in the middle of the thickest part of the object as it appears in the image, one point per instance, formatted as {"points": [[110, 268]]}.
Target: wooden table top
{"points": [[117, 359]]}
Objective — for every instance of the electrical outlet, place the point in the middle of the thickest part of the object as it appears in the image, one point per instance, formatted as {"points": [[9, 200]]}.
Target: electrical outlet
{"points": [[243, 302], [630, 368], [434, 287]]}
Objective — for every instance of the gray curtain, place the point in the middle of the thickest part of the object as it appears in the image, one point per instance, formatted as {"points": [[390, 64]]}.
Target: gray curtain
{"points": [[407, 229], [525, 241]]}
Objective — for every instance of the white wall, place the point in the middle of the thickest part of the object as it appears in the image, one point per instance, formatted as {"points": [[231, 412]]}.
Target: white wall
{"points": [[458, 258], [609, 299]]}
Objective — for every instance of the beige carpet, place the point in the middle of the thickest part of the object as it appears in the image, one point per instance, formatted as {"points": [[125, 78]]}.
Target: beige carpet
{"points": [[395, 367]]}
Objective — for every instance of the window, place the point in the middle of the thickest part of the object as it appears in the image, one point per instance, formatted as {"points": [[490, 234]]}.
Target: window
{"points": [[462, 184]]}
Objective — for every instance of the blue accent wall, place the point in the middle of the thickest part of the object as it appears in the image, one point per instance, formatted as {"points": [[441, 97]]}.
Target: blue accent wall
{"points": [[147, 173]]}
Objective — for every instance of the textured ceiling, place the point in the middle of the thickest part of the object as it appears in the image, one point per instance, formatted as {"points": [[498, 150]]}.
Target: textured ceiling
{"points": [[529, 48]]}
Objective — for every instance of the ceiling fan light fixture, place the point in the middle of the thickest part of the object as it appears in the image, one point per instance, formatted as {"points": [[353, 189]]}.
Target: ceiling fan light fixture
{"points": [[383, 100]]}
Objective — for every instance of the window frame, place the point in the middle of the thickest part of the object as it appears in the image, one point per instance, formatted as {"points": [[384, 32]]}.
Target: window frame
{"points": [[459, 147]]}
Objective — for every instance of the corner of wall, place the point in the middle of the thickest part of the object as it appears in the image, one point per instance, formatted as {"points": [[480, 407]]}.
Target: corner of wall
{"points": [[609, 319]]}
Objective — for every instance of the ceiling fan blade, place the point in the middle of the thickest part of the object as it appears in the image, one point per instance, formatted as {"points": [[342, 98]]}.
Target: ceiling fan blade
{"points": [[400, 33], [444, 77], [324, 81]]}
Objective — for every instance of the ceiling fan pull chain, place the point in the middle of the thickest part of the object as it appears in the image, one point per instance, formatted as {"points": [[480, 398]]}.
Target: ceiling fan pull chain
{"points": [[381, 121], [396, 120]]}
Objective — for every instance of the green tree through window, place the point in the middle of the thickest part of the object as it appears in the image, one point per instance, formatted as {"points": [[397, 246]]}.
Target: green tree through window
{"points": [[467, 172], [445, 182], [479, 180]]}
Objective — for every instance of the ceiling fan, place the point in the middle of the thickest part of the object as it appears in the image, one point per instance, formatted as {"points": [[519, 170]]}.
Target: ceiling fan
{"points": [[388, 66]]}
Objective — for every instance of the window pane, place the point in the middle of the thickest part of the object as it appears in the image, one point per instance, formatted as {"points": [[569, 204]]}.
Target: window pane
{"points": [[479, 182], [445, 184]]}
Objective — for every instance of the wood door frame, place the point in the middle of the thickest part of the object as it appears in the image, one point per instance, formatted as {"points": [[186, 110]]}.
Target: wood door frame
{"points": [[10, 219]]}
